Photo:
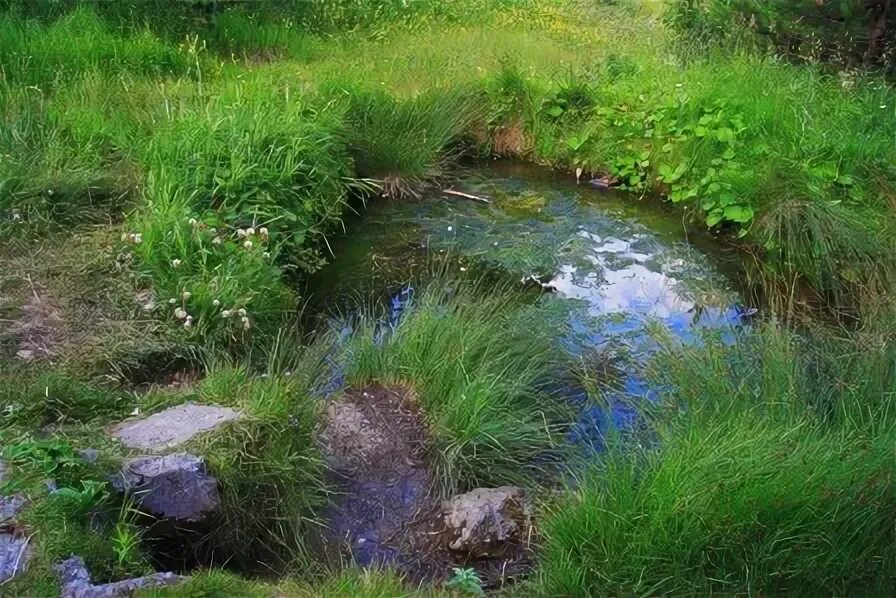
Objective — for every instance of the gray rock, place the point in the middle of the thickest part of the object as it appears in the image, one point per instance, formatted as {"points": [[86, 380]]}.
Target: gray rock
{"points": [[76, 581], [172, 427], [15, 553], [175, 486], [10, 506], [487, 522]]}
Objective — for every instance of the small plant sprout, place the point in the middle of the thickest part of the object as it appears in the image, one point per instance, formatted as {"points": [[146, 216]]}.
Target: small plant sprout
{"points": [[465, 581]]}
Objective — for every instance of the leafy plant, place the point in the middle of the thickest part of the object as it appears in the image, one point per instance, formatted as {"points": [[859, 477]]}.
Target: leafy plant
{"points": [[465, 581], [91, 494]]}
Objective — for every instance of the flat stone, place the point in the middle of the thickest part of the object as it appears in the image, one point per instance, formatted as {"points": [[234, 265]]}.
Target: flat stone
{"points": [[176, 486], [486, 522], [15, 553], [172, 427], [76, 581]]}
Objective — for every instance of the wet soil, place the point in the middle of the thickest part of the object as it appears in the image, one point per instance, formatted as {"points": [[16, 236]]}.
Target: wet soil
{"points": [[375, 442], [386, 509]]}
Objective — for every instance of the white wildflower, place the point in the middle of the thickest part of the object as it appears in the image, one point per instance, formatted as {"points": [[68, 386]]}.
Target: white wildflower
{"points": [[193, 222], [247, 244], [172, 301], [240, 233], [242, 312], [180, 313], [216, 303], [266, 255], [226, 313], [250, 231], [175, 263], [216, 241], [246, 324], [186, 295], [263, 231], [450, 228], [188, 324]]}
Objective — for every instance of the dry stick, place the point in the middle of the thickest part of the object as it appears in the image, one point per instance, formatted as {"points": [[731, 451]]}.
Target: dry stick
{"points": [[466, 195]]}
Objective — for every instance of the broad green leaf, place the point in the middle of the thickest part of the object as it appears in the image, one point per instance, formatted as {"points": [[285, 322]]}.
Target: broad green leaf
{"points": [[738, 213]]}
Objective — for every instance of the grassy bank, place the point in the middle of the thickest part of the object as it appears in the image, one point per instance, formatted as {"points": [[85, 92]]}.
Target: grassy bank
{"points": [[167, 181], [768, 468]]}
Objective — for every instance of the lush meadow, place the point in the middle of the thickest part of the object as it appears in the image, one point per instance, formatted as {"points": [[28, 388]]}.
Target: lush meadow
{"points": [[170, 177]]}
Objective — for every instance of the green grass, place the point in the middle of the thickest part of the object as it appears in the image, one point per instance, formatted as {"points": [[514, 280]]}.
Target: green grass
{"points": [[479, 362], [767, 469], [196, 161]]}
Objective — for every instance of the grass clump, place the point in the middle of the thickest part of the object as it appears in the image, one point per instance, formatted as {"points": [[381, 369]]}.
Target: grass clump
{"points": [[268, 465], [768, 469], [481, 377], [403, 143]]}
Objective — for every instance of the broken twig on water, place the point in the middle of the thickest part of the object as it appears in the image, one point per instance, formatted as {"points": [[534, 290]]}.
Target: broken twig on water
{"points": [[466, 195]]}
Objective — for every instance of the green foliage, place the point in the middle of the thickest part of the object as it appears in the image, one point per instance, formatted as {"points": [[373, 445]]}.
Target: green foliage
{"points": [[42, 458], [268, 464], [32, 53], [406, 142], [90, 494], [479, 364], [845, 31], [767, 468], [465, 581], [54, 398]]}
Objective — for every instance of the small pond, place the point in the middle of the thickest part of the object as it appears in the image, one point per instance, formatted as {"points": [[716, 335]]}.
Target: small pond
{"points": [[619, 262]]}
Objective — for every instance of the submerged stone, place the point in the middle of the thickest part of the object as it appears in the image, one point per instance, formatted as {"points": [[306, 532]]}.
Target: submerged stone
{"points": [[487, 522], [176, 486], [75, 581], [172, 427]]}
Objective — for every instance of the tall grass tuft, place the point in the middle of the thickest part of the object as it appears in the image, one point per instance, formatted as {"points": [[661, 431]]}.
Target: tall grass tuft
{"points": [[268, 463], [481, 364], [768, 469], [406, 142]]}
